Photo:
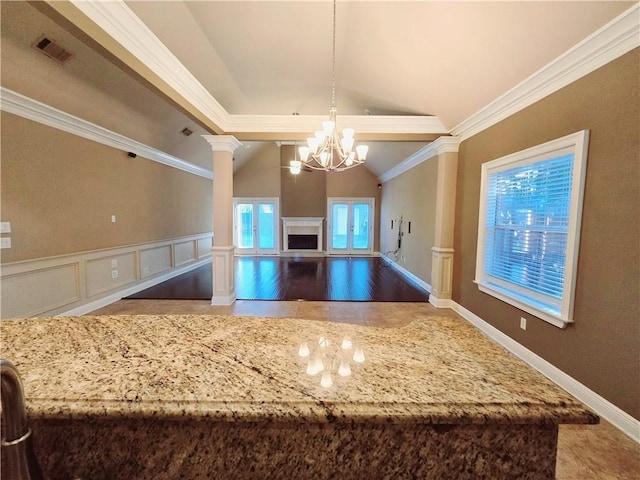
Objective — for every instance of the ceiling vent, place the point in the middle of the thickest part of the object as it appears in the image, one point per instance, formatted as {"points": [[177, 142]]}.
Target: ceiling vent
{"points": [[186, 131], [52, 49]]}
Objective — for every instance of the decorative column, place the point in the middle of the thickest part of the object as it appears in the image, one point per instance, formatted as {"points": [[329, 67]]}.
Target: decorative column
{"points": [[224, 292], [442, 250]]}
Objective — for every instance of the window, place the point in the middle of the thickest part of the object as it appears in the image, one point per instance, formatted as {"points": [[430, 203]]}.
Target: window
{"points": [[529, 226]]}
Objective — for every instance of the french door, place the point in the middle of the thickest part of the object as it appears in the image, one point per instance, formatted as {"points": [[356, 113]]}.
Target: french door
{"points": [[255, 226], [350, 225]]}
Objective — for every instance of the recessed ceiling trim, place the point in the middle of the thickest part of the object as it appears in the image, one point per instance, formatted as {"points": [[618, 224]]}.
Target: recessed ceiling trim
{"points": [[361, 123], [17, 104], [619, 36]]}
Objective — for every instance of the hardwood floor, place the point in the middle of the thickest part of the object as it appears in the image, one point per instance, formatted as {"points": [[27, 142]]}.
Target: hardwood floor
{"points": [[354, 279], [585, 452]]}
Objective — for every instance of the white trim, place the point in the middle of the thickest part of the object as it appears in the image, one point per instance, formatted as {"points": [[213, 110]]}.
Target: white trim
{"points": [[124, 26], [440, 146], [222, 143], [382, 124], [617, 417], [619, 36], [414, 278], [114, 297], [31, 109], [561, 313]]}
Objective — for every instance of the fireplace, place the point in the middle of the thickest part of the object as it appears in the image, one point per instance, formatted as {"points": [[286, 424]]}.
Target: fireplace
{"points": [[302, 242], [302, 234]]}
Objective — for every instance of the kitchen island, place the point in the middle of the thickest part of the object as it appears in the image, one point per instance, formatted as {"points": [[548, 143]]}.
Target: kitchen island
{"points": [[224, 397]]}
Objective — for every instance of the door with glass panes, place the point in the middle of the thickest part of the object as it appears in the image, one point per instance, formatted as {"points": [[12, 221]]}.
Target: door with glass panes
{"points": [[350, 225], [255, 226]]}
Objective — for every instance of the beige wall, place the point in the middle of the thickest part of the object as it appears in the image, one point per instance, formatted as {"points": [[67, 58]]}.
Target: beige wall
{"points": [[59, 192], [259, 177], [302, 195], [89, 85], [411, 196], [601, 350]]}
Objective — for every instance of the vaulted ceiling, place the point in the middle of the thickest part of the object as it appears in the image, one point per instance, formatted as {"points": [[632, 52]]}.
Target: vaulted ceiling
{"points": [[406, 71]]}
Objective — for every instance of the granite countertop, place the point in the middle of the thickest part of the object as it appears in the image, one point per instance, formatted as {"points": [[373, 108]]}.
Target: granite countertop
{"points": [[435, 370]]}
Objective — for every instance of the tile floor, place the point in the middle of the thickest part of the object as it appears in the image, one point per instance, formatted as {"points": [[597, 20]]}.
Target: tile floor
{"points": [[585, 452]]}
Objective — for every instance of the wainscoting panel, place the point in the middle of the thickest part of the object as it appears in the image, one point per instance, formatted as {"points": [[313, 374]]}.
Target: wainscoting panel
{"points": [[184, 252], [108, 273], [29, 293], [204, 247], [155, 260], [81, 282]]}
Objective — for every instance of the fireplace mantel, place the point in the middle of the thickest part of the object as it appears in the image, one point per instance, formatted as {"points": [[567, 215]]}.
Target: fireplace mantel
{"points": [[302, 226]]}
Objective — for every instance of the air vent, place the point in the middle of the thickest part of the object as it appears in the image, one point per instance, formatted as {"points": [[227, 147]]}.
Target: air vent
{"points": [[52, 49], [186, 131]]}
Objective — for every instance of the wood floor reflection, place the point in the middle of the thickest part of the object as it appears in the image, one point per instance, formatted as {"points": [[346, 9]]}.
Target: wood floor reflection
{"points": [[354, 279]]}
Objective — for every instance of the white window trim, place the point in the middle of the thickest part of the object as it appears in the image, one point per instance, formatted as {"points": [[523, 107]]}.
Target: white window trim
{"points": [[578, 144]]}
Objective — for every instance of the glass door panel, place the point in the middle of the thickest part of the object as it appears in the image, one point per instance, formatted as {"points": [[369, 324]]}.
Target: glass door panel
{"points": [[244, 225], [266, 227], [350, 225], [340, 226], [361, 212], [255, 230]]}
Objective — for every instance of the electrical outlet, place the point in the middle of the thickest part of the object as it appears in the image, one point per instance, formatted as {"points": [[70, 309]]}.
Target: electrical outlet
{"points": [[5, 242], [145, 270], [523, 323], [114, 274], [5, 227], [114, 263]]}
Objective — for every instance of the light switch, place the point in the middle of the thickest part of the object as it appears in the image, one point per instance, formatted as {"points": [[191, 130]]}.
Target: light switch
{"points": [[113, 219], [114, 263], [114, 274], [5, 227], [5, 242]]}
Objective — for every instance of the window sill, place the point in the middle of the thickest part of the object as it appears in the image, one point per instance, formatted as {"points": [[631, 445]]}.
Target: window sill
{"points": [[544, 313]]}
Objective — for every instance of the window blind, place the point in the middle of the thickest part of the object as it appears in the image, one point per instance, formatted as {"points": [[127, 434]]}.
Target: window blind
{"points": [[526, 227]]}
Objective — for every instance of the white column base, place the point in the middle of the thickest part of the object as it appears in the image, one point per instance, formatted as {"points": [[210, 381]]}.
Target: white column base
{"points": [[441, 277], [224, 290]]}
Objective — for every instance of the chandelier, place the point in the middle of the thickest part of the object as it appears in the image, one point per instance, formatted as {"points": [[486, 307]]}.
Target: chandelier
{"points": [[326, 150]]}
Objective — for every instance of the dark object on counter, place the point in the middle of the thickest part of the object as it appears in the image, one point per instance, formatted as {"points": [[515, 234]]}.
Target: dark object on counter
{"points": [[17, 445]]}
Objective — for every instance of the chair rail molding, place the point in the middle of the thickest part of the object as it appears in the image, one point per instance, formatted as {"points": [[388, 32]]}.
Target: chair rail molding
{"points": [[17, 104]]}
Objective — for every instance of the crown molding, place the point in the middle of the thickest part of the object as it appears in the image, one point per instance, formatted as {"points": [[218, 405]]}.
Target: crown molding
{"points": [[438, 147], [613, 40], [222, 143], [124, 26], [17, 104]]}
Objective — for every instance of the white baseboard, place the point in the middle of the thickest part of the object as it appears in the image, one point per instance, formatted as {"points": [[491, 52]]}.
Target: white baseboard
{"points": [[614, 415], [114, 297], [415, 279]]}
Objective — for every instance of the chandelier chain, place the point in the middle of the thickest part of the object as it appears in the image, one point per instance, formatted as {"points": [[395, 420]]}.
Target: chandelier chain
{"points": [[333, 60]]}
